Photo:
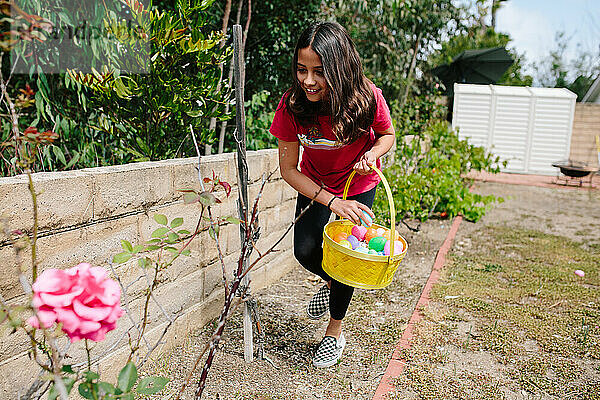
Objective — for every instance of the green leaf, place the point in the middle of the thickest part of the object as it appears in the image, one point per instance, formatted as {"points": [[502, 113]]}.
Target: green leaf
{"points": [[160, 232], [171, 250], [233, 220], [152, 247], [58, 153], [68, 369], [127, 377], [126, 246], [106, 388], [214, 232], [173, 237], [137, 248], [207, 198], [161, 219], [183, 232], [186, 252], [121, 258], [69, 382], [176, 222], [90, 375], [142, 262], [151, 385], [190, 198], [87, 390]]}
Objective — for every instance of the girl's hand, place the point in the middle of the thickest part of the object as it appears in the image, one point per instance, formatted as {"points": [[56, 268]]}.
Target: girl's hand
{"points": [[350, 209], [362, 167]]}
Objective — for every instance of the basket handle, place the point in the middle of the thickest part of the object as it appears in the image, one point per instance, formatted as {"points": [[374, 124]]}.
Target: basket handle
{"points": [[388, 191]]}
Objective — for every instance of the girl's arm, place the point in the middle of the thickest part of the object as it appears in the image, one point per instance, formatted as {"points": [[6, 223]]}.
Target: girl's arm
{"points": [[382, 145], [288, 166]]}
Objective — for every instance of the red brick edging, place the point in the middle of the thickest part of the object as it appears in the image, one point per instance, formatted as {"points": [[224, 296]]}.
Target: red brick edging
{"points": [[397, 363]]}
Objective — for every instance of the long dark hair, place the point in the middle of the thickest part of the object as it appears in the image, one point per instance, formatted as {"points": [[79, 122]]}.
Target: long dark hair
{"points": [[351, 102]]}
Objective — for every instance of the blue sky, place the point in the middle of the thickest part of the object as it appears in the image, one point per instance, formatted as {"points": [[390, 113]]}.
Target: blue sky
{"points": [[532, 24]]}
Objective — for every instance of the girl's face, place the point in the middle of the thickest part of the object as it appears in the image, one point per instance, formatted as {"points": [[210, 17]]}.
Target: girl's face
{"points": [[309, 72]]}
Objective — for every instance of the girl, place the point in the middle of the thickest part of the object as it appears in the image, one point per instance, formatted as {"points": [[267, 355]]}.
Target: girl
{"points": [[343, 123]]}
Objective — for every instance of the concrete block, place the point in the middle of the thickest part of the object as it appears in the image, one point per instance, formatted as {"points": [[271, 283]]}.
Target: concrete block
{"points": [[206, 248], [121, 189], [16, 375], [64, 199], [213, 274], [189, 212], [257, 164], [96, 243], [288, 192], [9, 271], [271, 195]]}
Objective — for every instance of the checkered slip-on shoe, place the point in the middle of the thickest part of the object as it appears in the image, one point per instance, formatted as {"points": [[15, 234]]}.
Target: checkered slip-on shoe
{"points": [[319, 304], [329, 351]]}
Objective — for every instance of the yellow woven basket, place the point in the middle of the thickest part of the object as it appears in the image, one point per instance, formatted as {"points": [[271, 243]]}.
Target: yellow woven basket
{"points": [[365, 271]]}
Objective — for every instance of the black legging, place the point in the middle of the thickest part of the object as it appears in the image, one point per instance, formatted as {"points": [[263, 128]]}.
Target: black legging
{"points": [[308, 241]]}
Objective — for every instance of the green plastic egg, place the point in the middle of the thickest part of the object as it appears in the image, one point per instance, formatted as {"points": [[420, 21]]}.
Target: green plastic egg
{"points": [[377, 243]]}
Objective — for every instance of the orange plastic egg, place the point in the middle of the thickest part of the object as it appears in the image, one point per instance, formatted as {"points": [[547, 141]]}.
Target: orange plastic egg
{"points": [[340, 236], [387, 234], [370, 234]]}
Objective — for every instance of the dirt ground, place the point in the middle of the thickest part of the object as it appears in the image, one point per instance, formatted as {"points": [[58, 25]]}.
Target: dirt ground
{"points": [[376, 318]]}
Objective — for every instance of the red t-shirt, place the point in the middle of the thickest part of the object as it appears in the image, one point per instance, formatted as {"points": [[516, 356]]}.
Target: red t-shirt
{"points": [[324, 160]]}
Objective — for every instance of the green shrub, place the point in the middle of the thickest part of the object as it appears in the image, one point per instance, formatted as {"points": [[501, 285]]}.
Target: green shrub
{"points": [[429, 177]]}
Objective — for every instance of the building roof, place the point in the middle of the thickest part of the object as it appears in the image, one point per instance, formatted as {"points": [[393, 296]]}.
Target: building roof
{"points": [[593, 92]]}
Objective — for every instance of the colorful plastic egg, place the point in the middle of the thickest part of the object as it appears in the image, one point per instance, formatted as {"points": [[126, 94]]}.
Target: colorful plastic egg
{"points": [[366, 219], [398, 247], [387, 234], [359, 231], [340, 236], [361, 249], [371, 251], [370, 234], [381, 231], [353, 241], [345, 244], [377, 243]]}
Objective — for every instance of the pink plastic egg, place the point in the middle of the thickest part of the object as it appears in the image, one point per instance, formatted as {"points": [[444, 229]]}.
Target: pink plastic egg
{"points": [[398, 247], [579, 273], [359, 231]]}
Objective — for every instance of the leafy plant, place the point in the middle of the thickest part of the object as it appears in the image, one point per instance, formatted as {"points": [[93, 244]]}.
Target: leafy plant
{"points": [[181, 86], [429, 177]]}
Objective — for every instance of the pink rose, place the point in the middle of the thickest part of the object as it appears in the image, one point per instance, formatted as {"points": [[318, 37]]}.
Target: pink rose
{"points": [[83, 299]]}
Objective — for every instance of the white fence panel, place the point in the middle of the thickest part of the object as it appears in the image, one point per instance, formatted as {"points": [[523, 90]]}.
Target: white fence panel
{"points": [[529, 127]]}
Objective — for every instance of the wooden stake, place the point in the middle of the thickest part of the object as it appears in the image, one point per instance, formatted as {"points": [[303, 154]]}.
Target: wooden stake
{"points": [[240, 138]]}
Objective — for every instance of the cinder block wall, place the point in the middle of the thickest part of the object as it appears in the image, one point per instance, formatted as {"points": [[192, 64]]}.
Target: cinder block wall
{"points": [[84, 215], [586, 125]]}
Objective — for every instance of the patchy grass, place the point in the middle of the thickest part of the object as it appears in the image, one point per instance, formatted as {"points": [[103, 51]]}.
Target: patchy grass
{"points": [[510, 318]]}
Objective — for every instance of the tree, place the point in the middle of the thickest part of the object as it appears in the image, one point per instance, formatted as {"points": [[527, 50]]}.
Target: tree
{"points": [[474, 37], [394, 37], [576, 74]]}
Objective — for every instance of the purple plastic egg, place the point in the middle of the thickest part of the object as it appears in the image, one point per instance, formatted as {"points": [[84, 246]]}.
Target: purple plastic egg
{"points": [[358, 231], [353, 241]]}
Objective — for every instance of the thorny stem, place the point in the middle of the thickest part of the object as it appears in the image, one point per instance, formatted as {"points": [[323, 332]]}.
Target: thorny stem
{"points": [[208, 345], [89, 359], [145, 313], [210, 218], [35, 226]]}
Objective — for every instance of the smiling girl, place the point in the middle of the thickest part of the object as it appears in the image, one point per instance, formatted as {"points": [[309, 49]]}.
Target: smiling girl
{"points": [[343, 123]]}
